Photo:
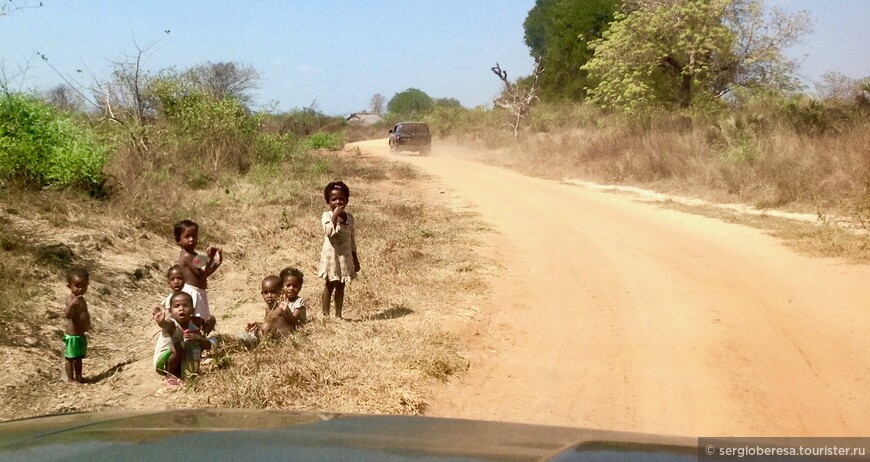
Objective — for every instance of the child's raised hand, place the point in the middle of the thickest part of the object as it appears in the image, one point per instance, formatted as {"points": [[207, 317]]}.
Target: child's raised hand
{"points": [[252, 327], [211, 251], [159, 314], [337, 214]]}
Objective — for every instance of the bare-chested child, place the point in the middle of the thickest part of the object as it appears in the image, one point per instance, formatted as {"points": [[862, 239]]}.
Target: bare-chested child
{"points": [[78, 322], [178, 334], [196, 269], [285, 309]]}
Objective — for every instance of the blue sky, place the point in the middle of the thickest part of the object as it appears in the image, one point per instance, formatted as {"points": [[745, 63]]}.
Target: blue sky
{"points": [[340, 53]]}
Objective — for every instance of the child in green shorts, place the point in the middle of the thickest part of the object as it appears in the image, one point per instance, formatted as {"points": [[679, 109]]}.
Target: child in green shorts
{"points": [[78, 322], [178, 339]]}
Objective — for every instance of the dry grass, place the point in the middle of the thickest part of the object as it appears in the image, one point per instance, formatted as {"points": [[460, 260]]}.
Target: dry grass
{"points": [[418, 267], [368, 366], [730, 160], [775, 168], [416, 258], [46, 232], [815, 240]]}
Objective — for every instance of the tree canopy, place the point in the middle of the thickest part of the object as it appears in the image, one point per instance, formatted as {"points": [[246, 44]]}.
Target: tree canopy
{"points": [[683, 53], [448, 103], [226, 80], [410, 103], [377, 104], [558, 33]]}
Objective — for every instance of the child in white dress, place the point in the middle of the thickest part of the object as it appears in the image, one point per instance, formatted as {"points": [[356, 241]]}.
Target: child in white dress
{"points": [[338, 260]]}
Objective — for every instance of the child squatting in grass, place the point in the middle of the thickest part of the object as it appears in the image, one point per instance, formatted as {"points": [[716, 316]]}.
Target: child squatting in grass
{"points": [[175, 279], [338, 259], [285, 309], [78, 322], [179, 338]]}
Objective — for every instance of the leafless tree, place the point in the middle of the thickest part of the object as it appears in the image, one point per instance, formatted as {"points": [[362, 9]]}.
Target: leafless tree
{"points": [[757, 56], [65, 98], [863, 96], [515, 98], [378, 103], [124, 99], [226, 80], [835, 86], [16, 77]]}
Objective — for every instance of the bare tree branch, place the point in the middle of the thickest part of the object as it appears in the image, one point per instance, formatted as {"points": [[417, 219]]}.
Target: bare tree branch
{"points": [[11, 7], [515, 98], [226, 80], [6, 77]]}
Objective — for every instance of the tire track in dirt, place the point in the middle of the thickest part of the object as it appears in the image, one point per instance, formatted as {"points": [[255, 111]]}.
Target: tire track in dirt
{"points": [[618, 315]]}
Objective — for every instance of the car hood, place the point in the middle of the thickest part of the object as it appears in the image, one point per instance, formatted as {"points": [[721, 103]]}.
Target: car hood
{"points": [[238, 434]]}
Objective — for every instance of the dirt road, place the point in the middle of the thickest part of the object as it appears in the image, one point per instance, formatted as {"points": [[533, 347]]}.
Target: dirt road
{"points": [[618, 315]]}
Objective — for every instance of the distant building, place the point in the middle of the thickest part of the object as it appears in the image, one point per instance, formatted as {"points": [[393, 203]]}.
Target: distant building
{"points": [[364, 118]]}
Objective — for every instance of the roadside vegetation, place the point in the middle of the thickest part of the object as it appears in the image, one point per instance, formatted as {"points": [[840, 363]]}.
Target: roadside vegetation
{"points": [[97, 176], [700, 101]]}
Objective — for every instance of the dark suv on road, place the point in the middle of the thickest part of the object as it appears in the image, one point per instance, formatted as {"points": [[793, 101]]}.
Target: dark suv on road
{"points": [[410, 136]]}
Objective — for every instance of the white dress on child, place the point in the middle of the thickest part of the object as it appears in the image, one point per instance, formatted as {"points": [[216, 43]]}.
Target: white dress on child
{"points": [[339, 245]]}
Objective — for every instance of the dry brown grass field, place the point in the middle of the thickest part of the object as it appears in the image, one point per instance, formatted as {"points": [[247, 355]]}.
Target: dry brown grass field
{"points": [[777, 168], [419, 270]]}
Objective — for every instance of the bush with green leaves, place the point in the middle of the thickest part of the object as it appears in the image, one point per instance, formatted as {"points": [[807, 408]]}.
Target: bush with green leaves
{"points": [[445, 120], [271, 148], [194, 112], [46, 147], [327, 141], [211, 134], [410, 104]]}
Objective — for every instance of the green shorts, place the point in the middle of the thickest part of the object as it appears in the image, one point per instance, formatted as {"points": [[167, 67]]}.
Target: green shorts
{"points": [[76, 346], [162, 360]]}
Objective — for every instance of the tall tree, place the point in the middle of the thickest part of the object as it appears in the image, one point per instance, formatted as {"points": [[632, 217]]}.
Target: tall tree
{"points": [[679, 53], [558, 33], [65, 98], [517, 97], [448, 103], [377, 104], [412, 102], [226, 80]]}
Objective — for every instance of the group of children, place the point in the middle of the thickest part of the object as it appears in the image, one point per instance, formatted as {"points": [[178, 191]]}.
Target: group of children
{"points": [[184, 317]]}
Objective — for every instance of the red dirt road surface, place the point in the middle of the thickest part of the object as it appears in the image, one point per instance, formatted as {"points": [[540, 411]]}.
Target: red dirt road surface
{"points": [[612, 314]]}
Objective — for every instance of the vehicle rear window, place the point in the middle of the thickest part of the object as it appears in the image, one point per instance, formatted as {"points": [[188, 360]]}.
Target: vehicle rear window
{"points": [[415, 128]]}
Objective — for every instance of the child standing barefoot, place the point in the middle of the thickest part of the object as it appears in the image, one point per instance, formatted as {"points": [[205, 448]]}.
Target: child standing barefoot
{"points": [[338, 261], [78, 322], [196, 269]]}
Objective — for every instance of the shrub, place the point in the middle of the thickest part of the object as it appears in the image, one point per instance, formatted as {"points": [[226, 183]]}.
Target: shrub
{"points": [[328, 141], [271, 148], [49, 148], [445, 120], [308, 121], [213, 135]]}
